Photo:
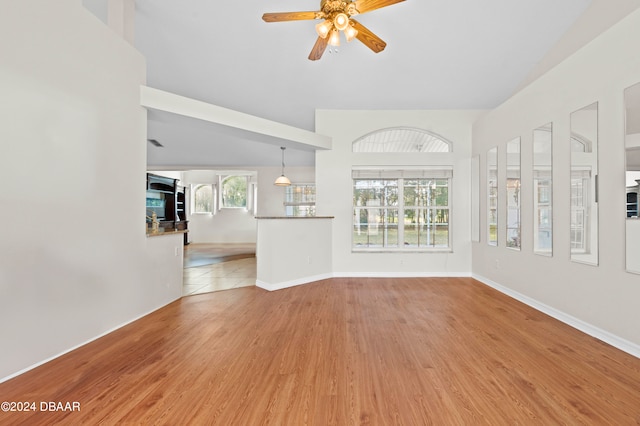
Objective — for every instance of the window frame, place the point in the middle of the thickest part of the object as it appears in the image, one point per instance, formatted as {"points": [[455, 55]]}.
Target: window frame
{"points": [[389, 211], [194, 189], [247, 197], [401, 140], [293, 204]]}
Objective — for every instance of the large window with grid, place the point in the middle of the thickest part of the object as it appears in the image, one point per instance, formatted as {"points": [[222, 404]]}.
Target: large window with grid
{"points": [[405, 210], [300, 199]]}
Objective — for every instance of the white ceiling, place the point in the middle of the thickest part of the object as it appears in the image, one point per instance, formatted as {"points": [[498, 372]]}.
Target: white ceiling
{"points": [[453, 54]]}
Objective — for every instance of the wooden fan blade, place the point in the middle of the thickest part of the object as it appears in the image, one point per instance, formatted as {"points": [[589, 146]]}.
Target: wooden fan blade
{"points": [[364, 6], [369, 39], [318, 48], [288, 16]]}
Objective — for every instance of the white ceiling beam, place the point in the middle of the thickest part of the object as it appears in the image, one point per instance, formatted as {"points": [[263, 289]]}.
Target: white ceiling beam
{"points": [[170, 102], [121, 18]]}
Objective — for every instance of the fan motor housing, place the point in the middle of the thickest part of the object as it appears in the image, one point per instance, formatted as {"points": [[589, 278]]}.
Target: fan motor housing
{"points": [[332, 6]]}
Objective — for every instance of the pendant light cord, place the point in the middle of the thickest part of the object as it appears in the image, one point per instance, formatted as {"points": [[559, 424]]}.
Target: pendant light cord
{"points": [[282, 148]]}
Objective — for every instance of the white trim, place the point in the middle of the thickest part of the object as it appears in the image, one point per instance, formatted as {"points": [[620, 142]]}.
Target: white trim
{"points": [[111, 330], [192, 199], [607, 337], [399, 172], [292, 283], [314, 278], [401, 274], [421, 250]]}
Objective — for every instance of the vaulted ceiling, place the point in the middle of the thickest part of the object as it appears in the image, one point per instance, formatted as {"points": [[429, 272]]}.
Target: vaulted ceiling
{"points": [[454, 54]]}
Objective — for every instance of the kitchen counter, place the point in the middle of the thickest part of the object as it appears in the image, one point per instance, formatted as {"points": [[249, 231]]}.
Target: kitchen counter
{"points": [[294, 217], [170, 232], [293, 251]]}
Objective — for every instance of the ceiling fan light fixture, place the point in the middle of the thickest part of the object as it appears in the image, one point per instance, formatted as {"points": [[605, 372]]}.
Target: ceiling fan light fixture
{"points": [[323, 28], [341, 21], [350, 33], [336, 17], [334, 38]]}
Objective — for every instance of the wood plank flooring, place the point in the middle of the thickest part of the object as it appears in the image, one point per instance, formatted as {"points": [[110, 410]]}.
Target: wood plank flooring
{"points": [[415, 351]]}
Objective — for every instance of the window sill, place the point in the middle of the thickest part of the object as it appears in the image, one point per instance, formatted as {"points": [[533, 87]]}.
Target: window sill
{"points": [[401, 250]]}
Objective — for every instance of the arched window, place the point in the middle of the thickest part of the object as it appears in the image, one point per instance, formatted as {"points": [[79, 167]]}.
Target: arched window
{"points": [[234, 192], [203, 198], [401, 139], [402, 208]]}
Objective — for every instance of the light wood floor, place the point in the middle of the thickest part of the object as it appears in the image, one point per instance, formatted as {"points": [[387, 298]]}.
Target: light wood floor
{"points": [[411, 351]]}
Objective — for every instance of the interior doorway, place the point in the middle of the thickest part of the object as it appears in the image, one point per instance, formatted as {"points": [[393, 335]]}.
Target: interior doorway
{"points": [[210, 267]]}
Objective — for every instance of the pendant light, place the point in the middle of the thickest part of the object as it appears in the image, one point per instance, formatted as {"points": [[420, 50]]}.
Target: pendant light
{"points": [[282, 180]]}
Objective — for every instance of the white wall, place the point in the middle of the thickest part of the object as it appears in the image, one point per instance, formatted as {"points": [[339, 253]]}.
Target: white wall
{"points": [[270, 196], [335, 193], [602, 299], [239, 225], [73, 251], [293, 251]]}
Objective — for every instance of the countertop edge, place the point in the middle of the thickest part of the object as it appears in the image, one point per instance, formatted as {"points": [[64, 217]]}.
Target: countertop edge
{"points": [[160, 234], [295, 217]]}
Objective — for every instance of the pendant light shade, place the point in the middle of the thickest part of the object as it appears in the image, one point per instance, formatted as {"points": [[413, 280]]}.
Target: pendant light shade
{"points": [[282, 180]]}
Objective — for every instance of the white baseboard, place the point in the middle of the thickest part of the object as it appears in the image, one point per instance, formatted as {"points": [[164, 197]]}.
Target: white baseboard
{"points": [[400, 274], [292, 283], [306, 280], [111, 330], [615, 341]]}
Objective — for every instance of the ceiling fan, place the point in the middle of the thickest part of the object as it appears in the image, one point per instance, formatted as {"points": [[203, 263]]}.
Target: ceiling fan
{"points": [[337, 17]]}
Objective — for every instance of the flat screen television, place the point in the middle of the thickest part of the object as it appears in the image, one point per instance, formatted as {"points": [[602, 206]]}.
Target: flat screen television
{"points": [[156, 203]]}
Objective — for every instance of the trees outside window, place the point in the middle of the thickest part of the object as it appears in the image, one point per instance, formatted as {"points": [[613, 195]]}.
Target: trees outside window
{"points": [[234, 192], [401, 213], [203, 198]]}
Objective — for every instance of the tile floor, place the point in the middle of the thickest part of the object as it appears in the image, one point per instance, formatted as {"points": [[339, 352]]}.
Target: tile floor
{"points": [[201, 254], [219, 276]]}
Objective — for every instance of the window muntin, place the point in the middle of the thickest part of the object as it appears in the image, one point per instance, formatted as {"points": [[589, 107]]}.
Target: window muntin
{"points": [[203, 198], [234, 192], [401, 213], [426, 212], [375, 204], [401, 139], [300, 200]]}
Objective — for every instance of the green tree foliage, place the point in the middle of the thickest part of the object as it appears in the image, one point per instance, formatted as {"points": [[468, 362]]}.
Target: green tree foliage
{"points": [[234, 191]]}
